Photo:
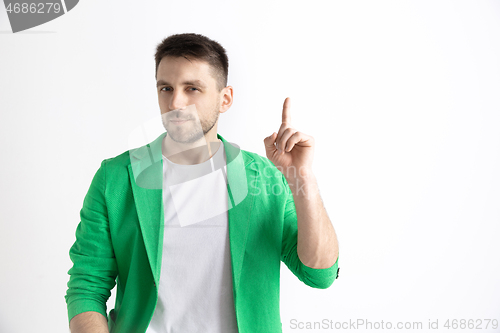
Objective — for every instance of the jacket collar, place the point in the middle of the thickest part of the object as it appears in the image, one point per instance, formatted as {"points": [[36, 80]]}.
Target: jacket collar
{"points": [[146, 176]]}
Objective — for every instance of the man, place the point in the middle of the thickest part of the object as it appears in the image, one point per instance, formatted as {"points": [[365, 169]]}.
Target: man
{"points": [[192, 229]]}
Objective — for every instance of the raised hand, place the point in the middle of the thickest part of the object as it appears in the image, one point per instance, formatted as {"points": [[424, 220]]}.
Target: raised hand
{"points": [[290, 151]]}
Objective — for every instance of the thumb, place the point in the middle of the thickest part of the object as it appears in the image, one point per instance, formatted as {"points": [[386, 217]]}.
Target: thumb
{"points": [[269, 143]]}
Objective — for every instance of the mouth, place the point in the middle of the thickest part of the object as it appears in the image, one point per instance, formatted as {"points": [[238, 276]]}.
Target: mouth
{"points": [[179, 121]]}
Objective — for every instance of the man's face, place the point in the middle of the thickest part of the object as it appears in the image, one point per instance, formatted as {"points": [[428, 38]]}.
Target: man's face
{"points": [[187, 91]]}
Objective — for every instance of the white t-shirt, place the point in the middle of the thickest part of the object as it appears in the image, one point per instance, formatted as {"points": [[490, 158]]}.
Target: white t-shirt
{"points": [[195, 291]]}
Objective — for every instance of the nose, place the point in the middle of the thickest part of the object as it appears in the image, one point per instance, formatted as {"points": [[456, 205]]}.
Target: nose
{"points": [[178, 100]]}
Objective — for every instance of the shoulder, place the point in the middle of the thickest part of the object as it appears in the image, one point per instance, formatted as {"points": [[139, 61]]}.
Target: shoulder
{"points": [[118, 162], [258, 160], [115, 168], [263, 165]]}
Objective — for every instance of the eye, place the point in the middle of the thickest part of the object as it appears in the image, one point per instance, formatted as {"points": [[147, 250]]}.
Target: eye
{"points": [[194, 88], [164, 88]]}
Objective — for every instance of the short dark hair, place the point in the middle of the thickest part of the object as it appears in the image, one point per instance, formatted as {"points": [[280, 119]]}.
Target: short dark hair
{"points": [[196, 46]]}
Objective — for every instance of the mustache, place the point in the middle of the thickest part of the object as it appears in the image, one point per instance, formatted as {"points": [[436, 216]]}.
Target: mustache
{"points": [[179, 115]]}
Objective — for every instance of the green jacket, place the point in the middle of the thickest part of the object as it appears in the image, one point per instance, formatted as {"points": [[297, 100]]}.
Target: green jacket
{"points": [[119, 240]]}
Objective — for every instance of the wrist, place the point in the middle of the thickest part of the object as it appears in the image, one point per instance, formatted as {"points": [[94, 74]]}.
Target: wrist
{"points": [[303, 175]]}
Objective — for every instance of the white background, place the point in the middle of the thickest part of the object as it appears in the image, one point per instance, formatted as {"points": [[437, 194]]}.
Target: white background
{"points": [[401, 97]]}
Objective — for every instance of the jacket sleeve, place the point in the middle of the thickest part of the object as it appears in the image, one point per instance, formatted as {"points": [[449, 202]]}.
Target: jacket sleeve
{"points": [[94, 270], [314, 277]]}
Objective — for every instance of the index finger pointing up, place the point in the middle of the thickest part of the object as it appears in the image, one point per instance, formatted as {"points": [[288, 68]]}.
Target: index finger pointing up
{"points": [[286, 117]]}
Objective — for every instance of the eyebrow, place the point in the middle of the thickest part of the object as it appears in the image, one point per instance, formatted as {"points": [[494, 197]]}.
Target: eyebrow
{"points": [[185, 83]]}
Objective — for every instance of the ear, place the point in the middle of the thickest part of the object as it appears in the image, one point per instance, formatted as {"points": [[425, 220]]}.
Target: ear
{"points": [[226, 99]]}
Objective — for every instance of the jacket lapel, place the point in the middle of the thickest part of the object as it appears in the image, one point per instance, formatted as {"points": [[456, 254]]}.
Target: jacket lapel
{"points": [[241, 195], [146, 177]]}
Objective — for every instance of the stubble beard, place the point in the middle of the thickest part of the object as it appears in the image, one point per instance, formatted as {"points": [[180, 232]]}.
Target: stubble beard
{"points": [[194, 132]]}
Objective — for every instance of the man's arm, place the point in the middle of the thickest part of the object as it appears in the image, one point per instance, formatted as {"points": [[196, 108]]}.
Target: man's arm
{"points": [[317, 245], [89, 322], [314, 277], [309, 245], [94, 270]]}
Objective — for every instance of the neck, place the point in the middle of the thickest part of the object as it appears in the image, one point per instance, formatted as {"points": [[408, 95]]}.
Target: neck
{"points": [[191, 153]]}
